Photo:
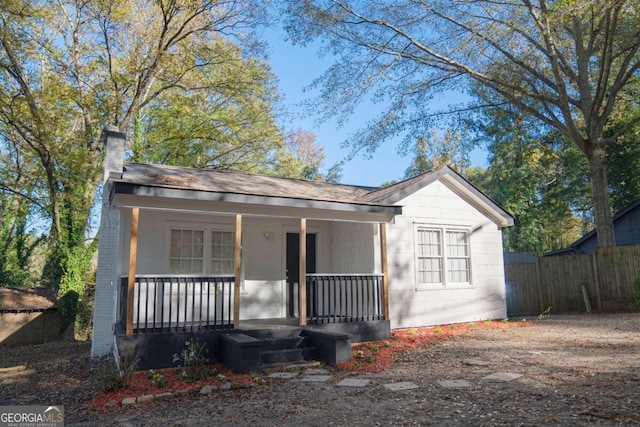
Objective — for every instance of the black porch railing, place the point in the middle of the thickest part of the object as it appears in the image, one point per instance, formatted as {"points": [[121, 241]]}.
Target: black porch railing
{"points": [[344, 298], [178, 303]]}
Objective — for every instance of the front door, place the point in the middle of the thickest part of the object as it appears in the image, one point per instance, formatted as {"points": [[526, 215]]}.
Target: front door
{"points": [[293, 268]]}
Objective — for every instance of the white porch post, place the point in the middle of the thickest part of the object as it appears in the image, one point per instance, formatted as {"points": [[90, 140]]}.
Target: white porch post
{"points": [[385, 273], [302, 280], [133, 259], [237, 262]]}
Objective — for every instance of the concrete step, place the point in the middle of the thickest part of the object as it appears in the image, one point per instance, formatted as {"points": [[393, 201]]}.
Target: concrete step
{"points": [[272, 344], [286, 356]]}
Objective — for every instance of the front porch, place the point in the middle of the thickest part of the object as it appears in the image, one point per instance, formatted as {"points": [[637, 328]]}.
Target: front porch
{"points": [[168, 310], [181, 303]]}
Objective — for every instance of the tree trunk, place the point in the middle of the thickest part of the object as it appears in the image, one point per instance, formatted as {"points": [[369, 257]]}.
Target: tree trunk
{"points": [[600, 197]]}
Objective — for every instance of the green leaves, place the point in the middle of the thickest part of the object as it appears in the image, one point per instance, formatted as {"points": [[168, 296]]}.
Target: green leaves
{"points": [[69, 68]]}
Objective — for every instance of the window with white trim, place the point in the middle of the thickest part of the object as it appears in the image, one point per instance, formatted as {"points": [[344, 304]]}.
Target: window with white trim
{"points": [[222, 252], [187, 251], [442, 256], [201, 251]]}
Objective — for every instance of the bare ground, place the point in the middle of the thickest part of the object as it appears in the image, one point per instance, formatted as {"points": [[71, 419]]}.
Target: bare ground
{"points": [[576, 370]]}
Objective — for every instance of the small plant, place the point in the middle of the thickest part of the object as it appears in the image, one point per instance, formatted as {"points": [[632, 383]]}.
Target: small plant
{"points": [[375, 349], [387, 344], [156, 379], [411, 332], [370, 358], [452, 326], [437, 330], [505, 320], [359, 354], [472, 324], [488, 320], [192, 362], [545, 314]]}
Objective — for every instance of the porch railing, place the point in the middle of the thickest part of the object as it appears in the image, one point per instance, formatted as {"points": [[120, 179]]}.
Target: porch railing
{"points": [[178, 303], [344, 298]]}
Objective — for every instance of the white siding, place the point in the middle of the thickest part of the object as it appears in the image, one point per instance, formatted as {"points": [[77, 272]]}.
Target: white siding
{"points": [[264, 286], [353, 247], [484, 298]]}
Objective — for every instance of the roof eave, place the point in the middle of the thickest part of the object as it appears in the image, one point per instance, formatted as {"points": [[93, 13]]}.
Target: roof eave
{"points": [[383, 212]]}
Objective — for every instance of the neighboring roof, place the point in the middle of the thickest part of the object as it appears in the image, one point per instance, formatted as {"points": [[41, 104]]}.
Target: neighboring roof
{"points": [[34, 299], [573, 248]]}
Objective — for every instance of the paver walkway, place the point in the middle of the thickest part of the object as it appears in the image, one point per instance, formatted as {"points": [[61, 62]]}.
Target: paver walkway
{"points": [[324, 376]]}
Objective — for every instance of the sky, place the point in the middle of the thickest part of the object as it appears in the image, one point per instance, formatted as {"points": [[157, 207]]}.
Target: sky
{"points": [[295, 68]]}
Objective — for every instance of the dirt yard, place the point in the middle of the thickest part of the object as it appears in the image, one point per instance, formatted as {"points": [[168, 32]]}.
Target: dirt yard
{"points": [[575, 370]]}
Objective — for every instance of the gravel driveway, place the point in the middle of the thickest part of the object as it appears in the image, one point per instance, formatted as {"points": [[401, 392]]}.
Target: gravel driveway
{"points": [[563, 370]]}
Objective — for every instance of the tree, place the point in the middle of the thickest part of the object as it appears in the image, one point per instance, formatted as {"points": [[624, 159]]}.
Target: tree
{"points": [[303, 157], [18, 200], [570, 64], [68, 68], [532, 173], [437, 151], [227, 123], [623, 163]]}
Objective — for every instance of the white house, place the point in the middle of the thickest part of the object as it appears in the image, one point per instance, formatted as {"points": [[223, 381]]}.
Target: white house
{"points": [[184, 249]]}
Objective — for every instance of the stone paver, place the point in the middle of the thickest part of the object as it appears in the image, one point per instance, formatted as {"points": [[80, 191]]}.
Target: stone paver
{"points": [[206, 390], [502, 377], [283, 375], [128, 401], [400, 386], [315, 378], [454, 383], [316, 372], [354, 382]]}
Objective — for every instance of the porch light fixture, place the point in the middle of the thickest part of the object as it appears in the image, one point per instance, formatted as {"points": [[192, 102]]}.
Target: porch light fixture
{"points": [[269, 235]]}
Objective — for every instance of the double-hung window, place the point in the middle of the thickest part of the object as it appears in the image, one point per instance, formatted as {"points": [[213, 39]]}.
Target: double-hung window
{"points": [[201, 251], [442, 256], [187, 251]]}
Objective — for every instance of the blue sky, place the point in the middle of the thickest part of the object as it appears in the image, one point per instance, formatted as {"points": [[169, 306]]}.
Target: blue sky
{"points": [[296, 67]]}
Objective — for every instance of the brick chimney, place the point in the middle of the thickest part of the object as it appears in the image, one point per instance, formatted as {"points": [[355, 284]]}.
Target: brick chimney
{"points": [[114, 141]]}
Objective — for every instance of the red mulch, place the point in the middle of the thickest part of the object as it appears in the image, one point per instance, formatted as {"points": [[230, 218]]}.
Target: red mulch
{"points": [[140, 385], [377, 356]]}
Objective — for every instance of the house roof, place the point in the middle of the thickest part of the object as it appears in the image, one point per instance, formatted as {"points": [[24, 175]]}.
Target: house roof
{"points": [[241, 183], [223, 187], [35, 299]]}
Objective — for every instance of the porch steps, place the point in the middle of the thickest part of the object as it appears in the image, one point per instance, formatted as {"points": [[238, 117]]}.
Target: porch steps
{"points": [[283, 346]]}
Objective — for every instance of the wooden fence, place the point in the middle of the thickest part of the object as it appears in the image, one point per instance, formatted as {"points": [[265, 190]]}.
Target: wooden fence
{"points": [[600, 281]]}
